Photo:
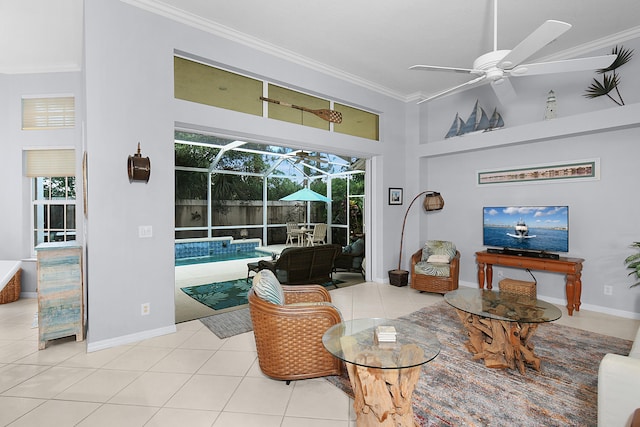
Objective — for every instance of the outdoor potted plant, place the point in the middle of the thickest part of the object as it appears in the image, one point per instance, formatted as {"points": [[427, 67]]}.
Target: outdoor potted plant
{"points": [[633, 262]]}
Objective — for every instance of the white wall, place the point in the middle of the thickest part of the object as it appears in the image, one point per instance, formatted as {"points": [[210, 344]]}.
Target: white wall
{"points": [[15, 216], [603, 213], [129, 89]]}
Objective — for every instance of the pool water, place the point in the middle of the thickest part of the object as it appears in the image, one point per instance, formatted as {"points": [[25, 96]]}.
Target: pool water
{"points": [[222, 257]]}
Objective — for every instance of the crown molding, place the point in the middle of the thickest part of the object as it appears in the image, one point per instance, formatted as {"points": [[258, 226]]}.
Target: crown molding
{"points": [[195, 21], [36, 69], [220, 30], [589, 48]]}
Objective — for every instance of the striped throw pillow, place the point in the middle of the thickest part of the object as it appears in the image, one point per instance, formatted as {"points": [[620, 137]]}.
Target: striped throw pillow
{"points": [[267, 287]]}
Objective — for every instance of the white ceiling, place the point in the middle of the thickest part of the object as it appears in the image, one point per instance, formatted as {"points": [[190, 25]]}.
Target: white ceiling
{"points": [[371, 42]]}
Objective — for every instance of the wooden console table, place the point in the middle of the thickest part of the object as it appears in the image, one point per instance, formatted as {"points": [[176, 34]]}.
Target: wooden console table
{"points": [[571, 267]]}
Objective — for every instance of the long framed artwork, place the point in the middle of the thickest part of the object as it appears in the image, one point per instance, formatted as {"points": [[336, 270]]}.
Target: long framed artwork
{"points": [[395, 196], [579, 170]]}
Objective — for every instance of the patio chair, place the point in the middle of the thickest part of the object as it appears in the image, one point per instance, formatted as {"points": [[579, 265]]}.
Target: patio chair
{"points": [[301, 266], [291, 233], [351, 257], [288, 332], [319, 235]]}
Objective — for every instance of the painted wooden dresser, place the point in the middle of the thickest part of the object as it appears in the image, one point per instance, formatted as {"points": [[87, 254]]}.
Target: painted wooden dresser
{"points": [[60, 291]]}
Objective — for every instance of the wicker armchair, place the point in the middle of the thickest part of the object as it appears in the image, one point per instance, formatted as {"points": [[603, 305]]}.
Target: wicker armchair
{"points": [[439, 284], [289, 338]]}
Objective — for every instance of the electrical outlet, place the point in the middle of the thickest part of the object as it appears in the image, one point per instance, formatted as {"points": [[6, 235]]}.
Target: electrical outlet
{"points": [[145, 231], [145, 309], [608, 290]]}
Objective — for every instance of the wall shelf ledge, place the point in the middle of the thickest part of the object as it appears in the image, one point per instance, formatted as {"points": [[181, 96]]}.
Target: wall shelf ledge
{"points": [[611, 119]]}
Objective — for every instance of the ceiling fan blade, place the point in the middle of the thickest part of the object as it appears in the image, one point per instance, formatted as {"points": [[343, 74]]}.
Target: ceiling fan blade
{"points": [[542, 36], [504, 90], [436, 68], [444, 92], [564, 66]]}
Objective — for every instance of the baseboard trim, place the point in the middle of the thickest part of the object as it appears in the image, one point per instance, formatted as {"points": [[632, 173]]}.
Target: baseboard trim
{"points": [[128, 339]]}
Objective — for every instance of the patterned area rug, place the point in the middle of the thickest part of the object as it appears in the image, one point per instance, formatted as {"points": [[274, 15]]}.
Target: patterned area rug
{"points": [[228, 324], [224, 295], [455, 390], [220, 295]]}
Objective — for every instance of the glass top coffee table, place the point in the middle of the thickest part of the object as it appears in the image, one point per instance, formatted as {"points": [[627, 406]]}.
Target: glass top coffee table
{"points": [[383, 374], [500, 324]]}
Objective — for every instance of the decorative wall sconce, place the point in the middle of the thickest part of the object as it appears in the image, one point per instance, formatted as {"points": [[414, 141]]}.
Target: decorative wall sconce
{"points": [[138, 167]]}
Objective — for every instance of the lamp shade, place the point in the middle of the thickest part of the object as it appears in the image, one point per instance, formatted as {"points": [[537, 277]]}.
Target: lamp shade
{"points": [[433, 202]]}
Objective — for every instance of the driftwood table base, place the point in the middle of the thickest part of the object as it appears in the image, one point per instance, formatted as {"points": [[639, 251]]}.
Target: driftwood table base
{"points": [[500, 343], [382, 397]]}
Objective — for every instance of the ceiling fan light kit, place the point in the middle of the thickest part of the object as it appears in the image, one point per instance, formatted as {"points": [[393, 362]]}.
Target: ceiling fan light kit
{"points": [[497, 66]]}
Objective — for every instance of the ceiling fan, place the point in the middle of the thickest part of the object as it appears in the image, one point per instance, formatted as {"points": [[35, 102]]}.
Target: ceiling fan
{"points": [[302, 155], [497, 66]]}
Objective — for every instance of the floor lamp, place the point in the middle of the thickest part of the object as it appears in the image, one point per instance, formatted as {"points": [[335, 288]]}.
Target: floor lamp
{"points": [[433, 201]]}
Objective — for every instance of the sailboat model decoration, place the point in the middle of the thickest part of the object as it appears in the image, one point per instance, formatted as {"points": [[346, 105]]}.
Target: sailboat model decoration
{"points": [[478, 121]]}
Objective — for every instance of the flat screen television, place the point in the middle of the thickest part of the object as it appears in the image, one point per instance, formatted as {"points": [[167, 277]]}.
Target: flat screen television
{"points": [[526, 228]]}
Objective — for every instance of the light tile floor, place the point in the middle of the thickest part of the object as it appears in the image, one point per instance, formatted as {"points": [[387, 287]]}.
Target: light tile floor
{"points": [[190, 378]]}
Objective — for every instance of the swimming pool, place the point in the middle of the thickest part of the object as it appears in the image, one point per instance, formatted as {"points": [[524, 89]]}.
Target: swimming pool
{"points": [[222, 257]]}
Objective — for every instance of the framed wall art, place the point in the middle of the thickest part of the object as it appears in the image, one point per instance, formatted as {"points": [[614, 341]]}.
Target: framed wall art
{"points": [[395, 196], [553, 172]]}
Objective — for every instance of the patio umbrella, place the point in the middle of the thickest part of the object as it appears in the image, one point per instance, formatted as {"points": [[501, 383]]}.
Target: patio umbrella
{"points": [[306, 195]]}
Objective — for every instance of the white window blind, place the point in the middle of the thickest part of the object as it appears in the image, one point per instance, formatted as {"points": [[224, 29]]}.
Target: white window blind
{"points": [[48, 112], [50, 162]]}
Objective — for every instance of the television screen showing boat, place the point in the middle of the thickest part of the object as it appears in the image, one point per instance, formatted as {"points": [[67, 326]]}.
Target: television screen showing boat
{"points": [[526, 228]]}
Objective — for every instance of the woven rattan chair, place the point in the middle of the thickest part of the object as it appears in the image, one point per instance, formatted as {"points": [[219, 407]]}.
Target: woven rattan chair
{"points": [[439, 284], [302, 266], [289, 338]]}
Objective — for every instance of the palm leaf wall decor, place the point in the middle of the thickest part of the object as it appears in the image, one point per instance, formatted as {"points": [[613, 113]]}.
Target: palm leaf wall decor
{"points": [[610, 77]]}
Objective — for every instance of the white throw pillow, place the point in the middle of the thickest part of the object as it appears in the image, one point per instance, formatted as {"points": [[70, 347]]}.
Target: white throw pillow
{"points": [[267, 287], [442, 259]]}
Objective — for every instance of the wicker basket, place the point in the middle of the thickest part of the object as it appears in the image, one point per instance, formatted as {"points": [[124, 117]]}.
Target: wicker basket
{"points": [[520, 287], [11, 292]]}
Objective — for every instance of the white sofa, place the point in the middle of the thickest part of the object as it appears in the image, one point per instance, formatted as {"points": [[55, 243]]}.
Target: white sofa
{"points": [[619, 387]]}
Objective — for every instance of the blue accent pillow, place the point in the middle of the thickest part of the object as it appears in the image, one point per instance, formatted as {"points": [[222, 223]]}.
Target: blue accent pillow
{"points": [[355, 248], [268, 288]]}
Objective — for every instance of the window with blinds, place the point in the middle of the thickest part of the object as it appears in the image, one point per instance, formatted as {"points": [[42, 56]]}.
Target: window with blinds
{"points": [[198, 82], [53, 194], [50, 162], [55, 112]]}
